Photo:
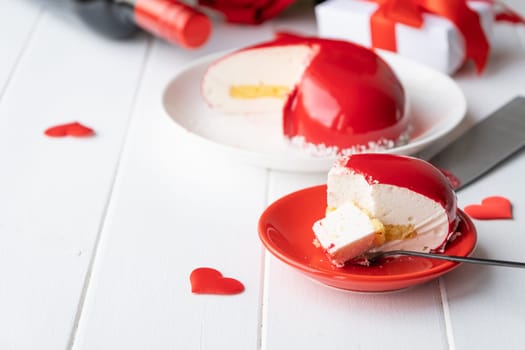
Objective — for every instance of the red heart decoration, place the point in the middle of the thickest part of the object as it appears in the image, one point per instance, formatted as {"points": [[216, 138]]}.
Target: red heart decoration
{"points": [[495, 207], [74, 129], [205, 280]]}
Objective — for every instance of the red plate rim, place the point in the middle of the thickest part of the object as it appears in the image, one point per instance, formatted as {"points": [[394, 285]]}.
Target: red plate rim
{"points": [[465, 248]]}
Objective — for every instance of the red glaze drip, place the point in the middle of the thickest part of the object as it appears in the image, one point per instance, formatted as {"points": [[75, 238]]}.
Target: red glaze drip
{"points": [[205, 280], [453, 179], [412, 173], [347, 95]]}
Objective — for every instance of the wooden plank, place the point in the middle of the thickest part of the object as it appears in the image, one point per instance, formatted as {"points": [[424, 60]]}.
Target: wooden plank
{"points": [[177, 205], [54, 191], [17, 22], [486, 306], [302, 314], [486, 303]]}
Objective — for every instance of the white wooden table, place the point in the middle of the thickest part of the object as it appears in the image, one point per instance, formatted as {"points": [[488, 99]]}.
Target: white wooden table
{"points": [[98, 236]]}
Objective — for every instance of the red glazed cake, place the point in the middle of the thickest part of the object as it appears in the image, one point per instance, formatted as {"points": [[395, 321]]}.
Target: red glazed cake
{"points": [[378, 202], [335, 97]]}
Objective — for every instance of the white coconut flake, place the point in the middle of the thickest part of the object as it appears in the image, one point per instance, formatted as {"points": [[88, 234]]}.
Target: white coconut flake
{"points": [[321, 150]]}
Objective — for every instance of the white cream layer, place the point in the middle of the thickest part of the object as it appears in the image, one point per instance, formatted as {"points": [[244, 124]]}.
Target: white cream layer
{"points": [[269, 66], [392, 205], [345, 233]]}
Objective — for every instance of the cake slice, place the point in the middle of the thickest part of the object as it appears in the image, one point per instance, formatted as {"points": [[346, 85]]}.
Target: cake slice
{"points": [[348, 231], [410, 200]]}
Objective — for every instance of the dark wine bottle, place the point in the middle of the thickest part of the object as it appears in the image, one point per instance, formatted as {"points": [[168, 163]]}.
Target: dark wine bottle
{"points": [[171, 20]]}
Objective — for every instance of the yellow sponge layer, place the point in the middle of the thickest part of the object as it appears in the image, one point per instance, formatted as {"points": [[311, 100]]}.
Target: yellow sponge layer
{"points": [[257, 91]]}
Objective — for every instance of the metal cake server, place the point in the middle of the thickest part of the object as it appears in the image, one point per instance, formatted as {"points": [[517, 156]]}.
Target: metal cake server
{"points": [[486, 144]]}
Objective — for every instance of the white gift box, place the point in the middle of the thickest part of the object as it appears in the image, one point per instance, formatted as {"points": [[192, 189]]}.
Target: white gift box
{"points": [[438, 43]]}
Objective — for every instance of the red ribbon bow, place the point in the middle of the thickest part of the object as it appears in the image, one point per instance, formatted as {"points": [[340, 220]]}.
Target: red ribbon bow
{"points": [[410, 13], [247, 11]]}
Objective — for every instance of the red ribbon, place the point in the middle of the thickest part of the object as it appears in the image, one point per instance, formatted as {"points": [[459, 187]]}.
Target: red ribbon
{"points": [[410, 12], [506, 14], [503, 13]]}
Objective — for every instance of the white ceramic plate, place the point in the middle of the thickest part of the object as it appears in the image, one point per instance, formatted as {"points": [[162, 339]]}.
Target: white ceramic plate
{"points": [[437, 105]]}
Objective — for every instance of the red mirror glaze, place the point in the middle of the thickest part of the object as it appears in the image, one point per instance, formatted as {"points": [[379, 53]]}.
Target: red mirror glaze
{"points": [[409, 172], [347, 96]]}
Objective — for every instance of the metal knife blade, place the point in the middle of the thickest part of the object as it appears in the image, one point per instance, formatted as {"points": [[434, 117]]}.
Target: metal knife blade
{"points": [[486, 144]]}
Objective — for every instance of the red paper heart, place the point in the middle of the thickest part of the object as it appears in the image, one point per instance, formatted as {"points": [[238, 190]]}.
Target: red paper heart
{"points": [[74, 129], [495, 207], [205, 280]]}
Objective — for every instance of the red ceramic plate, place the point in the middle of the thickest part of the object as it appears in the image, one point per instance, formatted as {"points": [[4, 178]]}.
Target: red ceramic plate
{"points": [[285, 228]]}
